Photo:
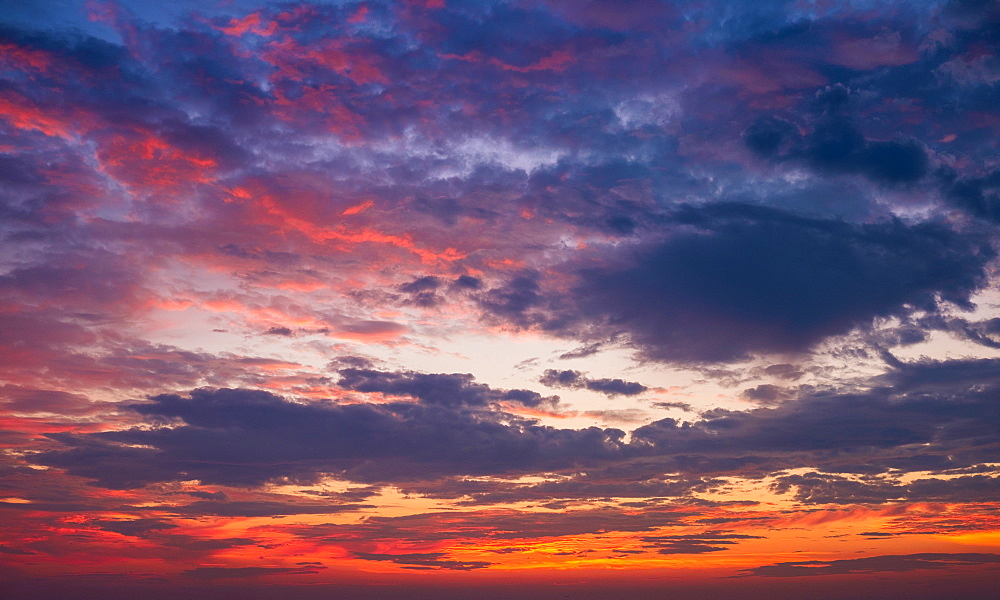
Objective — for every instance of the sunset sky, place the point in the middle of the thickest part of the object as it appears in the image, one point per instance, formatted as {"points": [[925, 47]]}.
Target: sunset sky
{"points": [[499, 299]]}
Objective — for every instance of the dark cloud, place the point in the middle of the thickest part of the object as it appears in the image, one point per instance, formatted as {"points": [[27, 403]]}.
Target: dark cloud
{"points": [[424, 559], [468, 282], [245, 437], [220, 496], [841, 147], [825, 488], [710, 541], [820, 488], [260, 508], [519, 301], [836, 143], [279, 331], [427, 283], [895, 161], [922, 416], [455, 389], [681, 405], [422, 290], [496, 524], [577, 380], [979, 196], [875, 564], [770, 136], [767, 394], [615, 480], [784, 371], [583, 351], [749, 280]]}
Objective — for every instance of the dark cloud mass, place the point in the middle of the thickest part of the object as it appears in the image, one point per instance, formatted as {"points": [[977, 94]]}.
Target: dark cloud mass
{"points": [[838, 146], [934, 416], [424, 560], [247, 437], [738, 280], [710, 541], [875, 564], [453, 389], [577, 380]]}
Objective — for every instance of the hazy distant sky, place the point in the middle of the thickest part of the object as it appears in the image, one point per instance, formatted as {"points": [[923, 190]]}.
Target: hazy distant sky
{"points": [[451, 299]]}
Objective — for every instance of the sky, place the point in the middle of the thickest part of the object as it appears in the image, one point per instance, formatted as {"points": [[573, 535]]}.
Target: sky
{"points": [[499, 298]]}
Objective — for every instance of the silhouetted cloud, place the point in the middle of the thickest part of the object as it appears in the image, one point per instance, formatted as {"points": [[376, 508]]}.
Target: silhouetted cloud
{"points": [[875, 564], [837, 145], [424, 559], [435, 388], [247, 437], [577, 380], [740, 280], [924, 416], [710, 541]]}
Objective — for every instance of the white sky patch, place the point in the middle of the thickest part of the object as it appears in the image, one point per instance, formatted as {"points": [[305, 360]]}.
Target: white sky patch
{"points": [[454, 158], [648, 109], [940, 345], [485, 150]]}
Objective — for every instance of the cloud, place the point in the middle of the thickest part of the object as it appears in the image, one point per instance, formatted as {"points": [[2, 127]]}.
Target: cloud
{"points": [[249, 508], [701, 183], [738, 280], [498, 523], [422, 290], [424, 559], [681, 405], [875, 564], [978, 195], [767, 394], [134, 527], [710, 541], [279, 331], [836, 144], [248, 437], [517, 301], [923, 416], [826, 488], [577, 380], [453, 389]]}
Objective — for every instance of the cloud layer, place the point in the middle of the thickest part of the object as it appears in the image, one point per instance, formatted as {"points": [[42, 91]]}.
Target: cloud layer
{"points": [[324, 292]]}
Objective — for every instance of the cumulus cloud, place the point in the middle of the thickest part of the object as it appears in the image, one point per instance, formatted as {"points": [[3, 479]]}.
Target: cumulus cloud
{"points": [[248, 437], [737, 280], [925, 416], [454, 389]]}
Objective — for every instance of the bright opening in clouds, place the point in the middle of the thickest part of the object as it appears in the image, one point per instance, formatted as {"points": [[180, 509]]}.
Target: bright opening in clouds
{"points": [[450, 299]]}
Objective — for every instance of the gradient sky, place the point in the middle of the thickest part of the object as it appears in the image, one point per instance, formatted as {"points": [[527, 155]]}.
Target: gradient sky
{"points": [[549, 299]]}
